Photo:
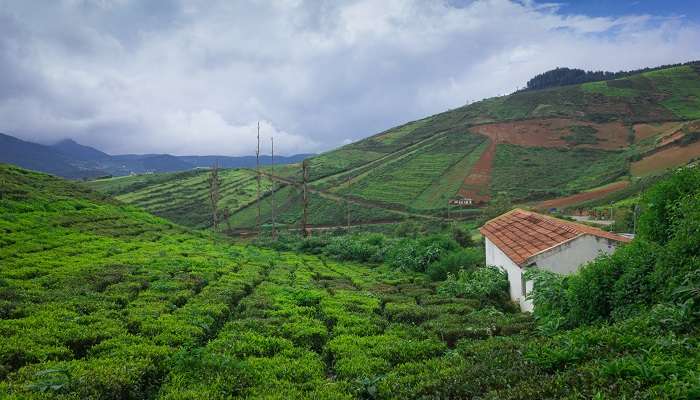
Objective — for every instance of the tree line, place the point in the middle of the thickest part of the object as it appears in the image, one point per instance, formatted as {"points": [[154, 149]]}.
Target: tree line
{"points": [[573, 76]]}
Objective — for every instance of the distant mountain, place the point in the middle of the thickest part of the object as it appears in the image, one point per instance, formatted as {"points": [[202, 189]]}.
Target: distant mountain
{"points": [[151, 163], [39, 157], [75, 150], [243, 161], [71, 159]]}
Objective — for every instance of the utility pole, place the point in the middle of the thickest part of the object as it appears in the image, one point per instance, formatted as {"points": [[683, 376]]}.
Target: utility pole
{"points": [[305, 177], [272, 196], [347, 204], [214, 194], [257, 173]]}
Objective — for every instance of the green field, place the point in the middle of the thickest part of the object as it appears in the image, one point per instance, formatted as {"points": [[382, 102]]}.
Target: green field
{"points": [[183, 197], [408, 181], [101, 300], [537, 173]]}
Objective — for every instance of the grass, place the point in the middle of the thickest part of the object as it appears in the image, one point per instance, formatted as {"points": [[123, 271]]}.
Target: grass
{"points": [[608, 88], [536, 173], [405, 179], [682, 87], [183, 197]]}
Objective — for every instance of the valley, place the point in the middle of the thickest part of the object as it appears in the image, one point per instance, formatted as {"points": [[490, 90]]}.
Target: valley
{"points": [[122, 288]]}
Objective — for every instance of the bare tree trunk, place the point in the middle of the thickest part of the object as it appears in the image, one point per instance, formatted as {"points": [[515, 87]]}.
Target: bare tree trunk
{"points": [[347, 205], [227, 218], [272, 197], [304, 218], [257, 172], [214, 194]]}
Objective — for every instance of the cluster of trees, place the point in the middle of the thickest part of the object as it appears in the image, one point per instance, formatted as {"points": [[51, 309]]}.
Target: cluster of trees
{"points": [[573, 76]]}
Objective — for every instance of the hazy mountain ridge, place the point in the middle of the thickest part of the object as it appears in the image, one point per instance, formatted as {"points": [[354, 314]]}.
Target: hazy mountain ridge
{"points": [[71, 159]]}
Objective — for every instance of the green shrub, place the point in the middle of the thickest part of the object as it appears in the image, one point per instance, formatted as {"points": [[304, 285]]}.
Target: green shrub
{"points": [[488, 283], [450, 263]]}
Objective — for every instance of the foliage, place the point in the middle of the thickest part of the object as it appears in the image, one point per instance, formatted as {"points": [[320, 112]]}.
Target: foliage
{"points": [[572, 76], [451, 263], [659, 267], [461, 236], [661, 205], [417, 254], [488, 283], [102, 300]]}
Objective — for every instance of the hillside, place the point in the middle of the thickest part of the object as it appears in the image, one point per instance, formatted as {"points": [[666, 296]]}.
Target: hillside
{"points": [[594, 133], [574, 143], [101, 300]]}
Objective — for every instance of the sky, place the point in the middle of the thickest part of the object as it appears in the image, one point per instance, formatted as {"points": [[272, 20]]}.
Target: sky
{"points": [[195, 77]]}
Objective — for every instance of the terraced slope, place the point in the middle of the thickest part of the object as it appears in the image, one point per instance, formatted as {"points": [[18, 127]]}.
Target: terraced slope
{"points": [[543, 144], [184, 197], [530, 146]]}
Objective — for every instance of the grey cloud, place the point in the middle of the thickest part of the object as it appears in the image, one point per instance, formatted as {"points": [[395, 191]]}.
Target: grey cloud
{"points": [[195, 76]]}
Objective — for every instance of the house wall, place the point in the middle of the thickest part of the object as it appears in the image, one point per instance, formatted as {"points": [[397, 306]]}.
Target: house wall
{"points": [[495, 257], [567, 258], [564, 259]]}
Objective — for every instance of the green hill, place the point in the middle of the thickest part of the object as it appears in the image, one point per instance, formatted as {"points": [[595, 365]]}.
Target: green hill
{"points": [[101, 300], [530, 146]]}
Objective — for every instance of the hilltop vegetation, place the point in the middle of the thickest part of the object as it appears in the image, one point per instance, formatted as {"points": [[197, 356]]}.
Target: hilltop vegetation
{"points": [[574, 76], [101, 300]]}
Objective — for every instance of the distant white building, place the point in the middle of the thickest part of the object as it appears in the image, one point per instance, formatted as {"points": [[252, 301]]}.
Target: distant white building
{"points": [[461, 201], [519, 239]]}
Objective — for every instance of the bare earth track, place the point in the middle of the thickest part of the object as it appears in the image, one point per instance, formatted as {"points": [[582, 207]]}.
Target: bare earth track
{"points": [[476, 184], [562, 202]]}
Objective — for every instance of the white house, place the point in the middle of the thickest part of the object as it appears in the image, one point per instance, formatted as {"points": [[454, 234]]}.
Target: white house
{"points": [[519, 239]]}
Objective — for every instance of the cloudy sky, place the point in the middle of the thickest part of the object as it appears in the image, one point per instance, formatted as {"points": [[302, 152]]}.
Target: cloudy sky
{"points": [[194, 77]]}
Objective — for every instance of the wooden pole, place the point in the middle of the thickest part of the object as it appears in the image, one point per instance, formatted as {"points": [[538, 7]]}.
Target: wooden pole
{"points": [[305, 177], [347, 205], [214, 194], [257, 171], [272, 179]]}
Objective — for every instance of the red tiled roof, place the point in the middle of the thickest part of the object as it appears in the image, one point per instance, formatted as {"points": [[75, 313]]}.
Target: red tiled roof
{"points": [[523, 234]]}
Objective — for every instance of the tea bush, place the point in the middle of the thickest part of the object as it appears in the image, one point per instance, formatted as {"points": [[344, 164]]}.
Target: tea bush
{"points": [[104, 301]]}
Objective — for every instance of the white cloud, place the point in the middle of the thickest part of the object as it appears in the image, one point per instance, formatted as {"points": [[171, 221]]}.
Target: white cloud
{"points": [[195, 77]]}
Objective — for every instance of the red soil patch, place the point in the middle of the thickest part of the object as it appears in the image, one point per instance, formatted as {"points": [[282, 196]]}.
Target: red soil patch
{"points": [[672, 156], [567, 201], [643, 131], [549, 133], [476, 184]]}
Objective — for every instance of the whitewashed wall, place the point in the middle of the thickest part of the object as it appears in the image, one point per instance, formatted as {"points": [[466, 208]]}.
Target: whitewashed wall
{"points": [[564, 259], [568, 257], [496, 257]]}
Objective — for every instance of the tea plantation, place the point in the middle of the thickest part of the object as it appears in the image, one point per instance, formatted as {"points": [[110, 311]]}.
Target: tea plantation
{"points": [[101, 300]]}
